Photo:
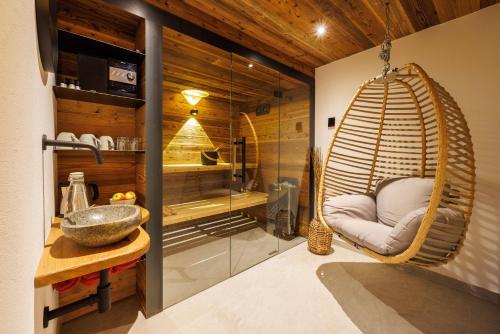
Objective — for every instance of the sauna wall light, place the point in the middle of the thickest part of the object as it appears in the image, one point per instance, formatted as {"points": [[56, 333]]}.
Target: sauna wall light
{"points": [[193, 96]]}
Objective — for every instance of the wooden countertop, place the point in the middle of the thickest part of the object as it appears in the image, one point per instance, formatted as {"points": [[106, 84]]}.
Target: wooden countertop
{"points": [[213, 206], [63, 259]]}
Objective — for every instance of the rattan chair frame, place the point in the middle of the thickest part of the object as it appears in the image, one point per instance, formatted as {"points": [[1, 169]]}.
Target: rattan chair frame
{"points": [[406, 126]]}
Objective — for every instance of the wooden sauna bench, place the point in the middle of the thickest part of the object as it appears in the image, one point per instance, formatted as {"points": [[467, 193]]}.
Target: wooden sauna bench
{"points": [[185, 168], [184, 212]]}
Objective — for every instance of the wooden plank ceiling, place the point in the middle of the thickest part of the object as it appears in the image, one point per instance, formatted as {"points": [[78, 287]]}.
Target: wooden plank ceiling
{"points": [[191, 64], [284, 29]]}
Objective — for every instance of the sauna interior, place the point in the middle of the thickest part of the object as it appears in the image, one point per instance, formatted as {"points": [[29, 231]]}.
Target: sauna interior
{"points": [[235, 164]]}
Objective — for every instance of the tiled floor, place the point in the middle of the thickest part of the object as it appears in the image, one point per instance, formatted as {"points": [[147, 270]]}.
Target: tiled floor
{"points": [[197, 268], [298, 292]]}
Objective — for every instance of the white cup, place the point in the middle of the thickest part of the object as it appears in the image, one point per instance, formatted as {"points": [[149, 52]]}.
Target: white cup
{"points": [[88, 138], [66, 136], [106, 143]]}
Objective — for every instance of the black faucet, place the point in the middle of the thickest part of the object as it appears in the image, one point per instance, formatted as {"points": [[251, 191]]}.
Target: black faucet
{"points": [[63, 143]]}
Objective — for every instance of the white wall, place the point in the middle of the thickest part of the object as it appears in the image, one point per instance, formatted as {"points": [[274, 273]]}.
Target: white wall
{"points": [[464, 56], [26, 112]]}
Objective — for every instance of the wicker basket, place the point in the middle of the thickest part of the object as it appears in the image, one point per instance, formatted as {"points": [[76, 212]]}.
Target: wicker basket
{"points": [[320, 238]]}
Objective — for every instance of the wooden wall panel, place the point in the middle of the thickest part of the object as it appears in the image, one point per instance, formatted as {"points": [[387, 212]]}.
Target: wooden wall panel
{"points": [[98, 20], [140, 36], [140, 125], [67, 67], [184, 137], [283, 137], [193, 186], [267, 129], [99, 119], [141, 284], [140, 179], [184, 140], [117, 174]]}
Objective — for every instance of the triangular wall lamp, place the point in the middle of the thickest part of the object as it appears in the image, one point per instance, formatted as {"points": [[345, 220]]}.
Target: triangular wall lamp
{"points": [[193, 96]]}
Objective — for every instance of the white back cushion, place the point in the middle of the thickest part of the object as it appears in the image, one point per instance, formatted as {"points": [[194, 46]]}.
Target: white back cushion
{"points": [[404, 232], [353, 206], [397, 197]]}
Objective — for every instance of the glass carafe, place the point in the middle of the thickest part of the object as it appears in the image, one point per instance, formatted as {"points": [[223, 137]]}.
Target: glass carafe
{"points": [[77, 195]]}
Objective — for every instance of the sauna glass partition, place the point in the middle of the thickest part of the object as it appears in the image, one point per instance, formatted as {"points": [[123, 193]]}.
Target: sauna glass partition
{"points": [[254, 92], [235, 164]]}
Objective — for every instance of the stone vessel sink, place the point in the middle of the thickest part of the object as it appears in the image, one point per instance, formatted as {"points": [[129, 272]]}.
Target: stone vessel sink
{"points": [[102, 225]]}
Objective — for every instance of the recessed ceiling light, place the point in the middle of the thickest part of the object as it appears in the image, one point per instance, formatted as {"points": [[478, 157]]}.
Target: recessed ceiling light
{"points": [[250, 65], [320, 30]]}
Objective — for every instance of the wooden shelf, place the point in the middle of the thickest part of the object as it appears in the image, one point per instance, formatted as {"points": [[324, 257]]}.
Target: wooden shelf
{"points": [[97, 97], [78, 153], [205, 208], [186, 168], [63, 259], [75, 43]]}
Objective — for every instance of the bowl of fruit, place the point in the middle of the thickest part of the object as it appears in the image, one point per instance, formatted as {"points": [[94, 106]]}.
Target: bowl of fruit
{"points": [[123, 198]]}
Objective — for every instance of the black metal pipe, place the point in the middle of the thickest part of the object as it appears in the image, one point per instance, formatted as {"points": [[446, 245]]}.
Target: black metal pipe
{"points": [[60, 311], [103, 292], [102, 297], [63, 143]]}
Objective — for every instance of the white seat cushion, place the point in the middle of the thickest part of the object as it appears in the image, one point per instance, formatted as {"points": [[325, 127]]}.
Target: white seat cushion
{"points": [[366, 233], [354, 216], [397, 197]]}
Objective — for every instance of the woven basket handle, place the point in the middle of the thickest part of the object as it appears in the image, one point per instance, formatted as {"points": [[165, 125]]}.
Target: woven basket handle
{"points": [[209, 158]]}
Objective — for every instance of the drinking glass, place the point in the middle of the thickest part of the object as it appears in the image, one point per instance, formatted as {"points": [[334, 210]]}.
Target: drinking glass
{"points": [[135, 144], [122, 143]]}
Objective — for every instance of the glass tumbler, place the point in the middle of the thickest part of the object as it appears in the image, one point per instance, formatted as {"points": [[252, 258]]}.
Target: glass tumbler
{"points": [[122, 144], [135, 144]]}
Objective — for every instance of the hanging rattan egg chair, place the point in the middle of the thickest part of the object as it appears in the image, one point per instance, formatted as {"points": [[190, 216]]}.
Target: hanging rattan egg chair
{"points": [[405, 124]]}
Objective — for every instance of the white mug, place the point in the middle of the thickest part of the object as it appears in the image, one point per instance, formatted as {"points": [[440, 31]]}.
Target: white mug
{"points": [[88, 138], [106, 143], [66, 136]]}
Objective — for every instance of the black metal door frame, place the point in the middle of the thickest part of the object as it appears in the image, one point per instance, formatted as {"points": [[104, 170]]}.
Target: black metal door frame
{"points": [[155, 20]]}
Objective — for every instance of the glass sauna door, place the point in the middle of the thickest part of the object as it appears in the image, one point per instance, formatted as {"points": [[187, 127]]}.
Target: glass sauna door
{"points": [[293, 219], [255, 131], [197, 170]]}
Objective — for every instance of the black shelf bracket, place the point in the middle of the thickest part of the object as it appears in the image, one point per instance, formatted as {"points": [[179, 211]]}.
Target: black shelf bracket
{"points": [[102, 297]]}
